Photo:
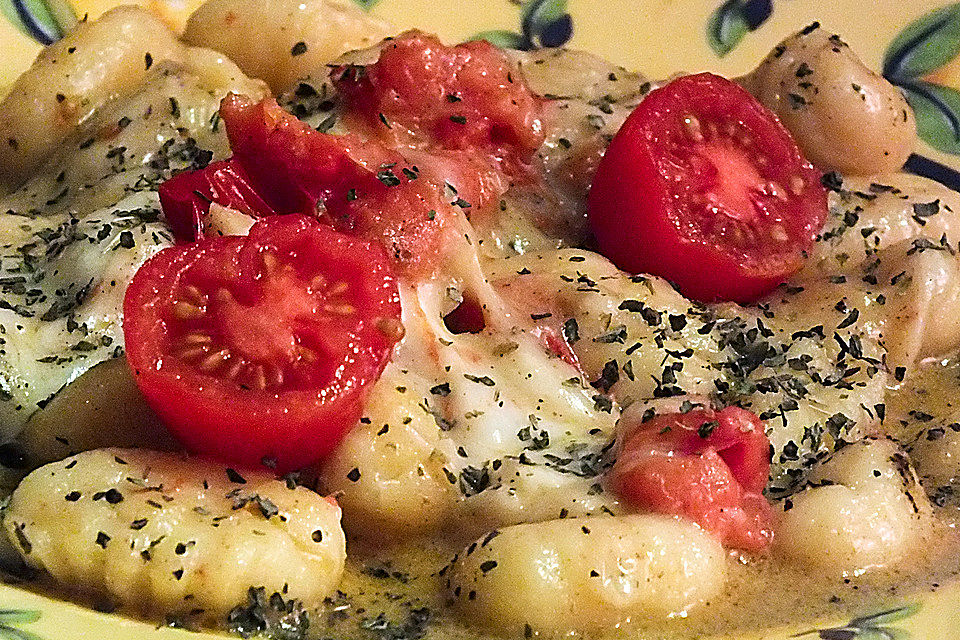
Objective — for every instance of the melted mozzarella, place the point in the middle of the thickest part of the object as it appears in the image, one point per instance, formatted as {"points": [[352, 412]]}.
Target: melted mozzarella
{"points": [[75, 233]]}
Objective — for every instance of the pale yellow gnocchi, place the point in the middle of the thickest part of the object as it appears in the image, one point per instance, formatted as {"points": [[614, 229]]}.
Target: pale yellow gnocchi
{"points": [[586, 573], [843, 115], [864, 509], [161, 533]]}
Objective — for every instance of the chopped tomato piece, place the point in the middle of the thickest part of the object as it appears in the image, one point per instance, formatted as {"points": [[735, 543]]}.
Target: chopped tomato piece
{"points": [[708, 466], [467, 317], [556, 344], [467, 96], [263, 348], [282, 166], [704, 187], [185, 198]]}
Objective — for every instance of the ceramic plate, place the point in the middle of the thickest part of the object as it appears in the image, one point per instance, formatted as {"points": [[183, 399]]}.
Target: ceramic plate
{"points": [[916, 45]]}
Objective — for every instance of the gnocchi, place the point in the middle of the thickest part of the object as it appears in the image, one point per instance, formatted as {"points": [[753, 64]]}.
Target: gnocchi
{"points": [[863, 509], [844, 116], [586, 573], [99, 61], [485, 487], [297, 37], [161, 534]]}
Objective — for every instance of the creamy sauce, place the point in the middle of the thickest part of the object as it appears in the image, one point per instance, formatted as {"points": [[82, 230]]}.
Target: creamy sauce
{"points": [[394, 593], [399, 591]]}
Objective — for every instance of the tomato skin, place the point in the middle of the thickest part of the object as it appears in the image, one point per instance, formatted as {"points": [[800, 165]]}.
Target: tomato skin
{"points": [[186, 197], [671, 464], [460, 97], [272, 317], [703, 186]]}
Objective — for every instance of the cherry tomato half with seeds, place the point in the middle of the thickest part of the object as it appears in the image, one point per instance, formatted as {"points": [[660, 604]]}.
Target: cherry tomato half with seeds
{"points": [[704, 187], [708, 466], [262, 349]]}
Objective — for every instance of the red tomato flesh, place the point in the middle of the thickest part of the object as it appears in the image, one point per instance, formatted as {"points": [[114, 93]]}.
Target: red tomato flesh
{"points": [[262, 347], [462, 97], [707, 466], [282, 166], [704, 187]]}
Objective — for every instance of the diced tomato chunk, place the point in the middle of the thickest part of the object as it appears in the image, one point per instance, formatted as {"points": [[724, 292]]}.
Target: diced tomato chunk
{"points": [[708, 466], [467, 96], [186, 197], [282, 166]]}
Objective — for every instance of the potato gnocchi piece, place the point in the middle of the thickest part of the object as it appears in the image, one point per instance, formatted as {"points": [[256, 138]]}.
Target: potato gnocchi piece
{"points": [[936, 455], [863, 509], [163, 534], [389, 471], [580, 574], [844, 116], [468, 426], [587, 100], [869, 215], [76, 232], [101, 408], [295, 38], [523, 491], [98, 61], [895, 240]]}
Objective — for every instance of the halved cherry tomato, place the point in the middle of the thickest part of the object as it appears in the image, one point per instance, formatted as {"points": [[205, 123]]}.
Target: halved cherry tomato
{"points": [[708, 466], [263, 347], [463, 97], [704, 187]]}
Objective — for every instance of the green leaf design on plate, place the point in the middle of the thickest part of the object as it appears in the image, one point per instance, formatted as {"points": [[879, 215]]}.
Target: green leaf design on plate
{"points": [[43, 20], [18, 616], [886, 617], [870, 627], [937, 110], [501, 38], [9, 633], [726, 27], [10, 619], [925, 45], [366, 5]]}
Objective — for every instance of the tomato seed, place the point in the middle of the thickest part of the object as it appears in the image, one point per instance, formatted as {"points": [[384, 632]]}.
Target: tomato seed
{"points": [[223, 296], [391, 328], [692, 126], [270, 262], [194, 294], [340, 309], [338, 289], [186, 311], [797, 185], [193, 354], [214, 360]]}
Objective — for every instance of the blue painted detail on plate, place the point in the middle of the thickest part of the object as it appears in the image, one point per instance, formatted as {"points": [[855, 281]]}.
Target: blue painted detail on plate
{"points": [[732, 20], [543, 23], [46, 21]]}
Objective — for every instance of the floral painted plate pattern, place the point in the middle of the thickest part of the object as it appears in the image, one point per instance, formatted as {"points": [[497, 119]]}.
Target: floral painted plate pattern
{"points": [[915, 45]]}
